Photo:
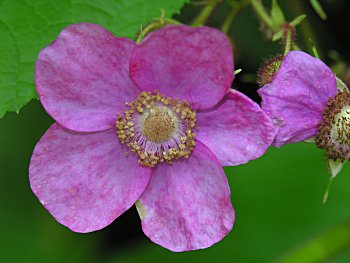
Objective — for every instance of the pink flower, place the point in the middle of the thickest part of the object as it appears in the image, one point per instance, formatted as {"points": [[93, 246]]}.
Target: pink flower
{"points": [[307, 102], [165, 149], [298, 96]]}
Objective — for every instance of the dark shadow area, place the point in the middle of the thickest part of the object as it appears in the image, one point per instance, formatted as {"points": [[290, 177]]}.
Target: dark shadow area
{"points": [[123, 234]]}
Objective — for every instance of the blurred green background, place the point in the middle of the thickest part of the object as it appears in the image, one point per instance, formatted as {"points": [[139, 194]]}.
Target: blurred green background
{"points": [[277, 198]]}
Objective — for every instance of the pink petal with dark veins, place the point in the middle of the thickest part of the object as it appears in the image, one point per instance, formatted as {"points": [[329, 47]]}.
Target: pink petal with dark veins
{"points": [[236, 130], [195, 64], [187, 204], [82, 77], [85, 180]]}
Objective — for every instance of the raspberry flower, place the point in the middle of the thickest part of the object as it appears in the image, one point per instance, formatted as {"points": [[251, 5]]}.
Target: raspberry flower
{"points": [[305, 100], [150, 124]]}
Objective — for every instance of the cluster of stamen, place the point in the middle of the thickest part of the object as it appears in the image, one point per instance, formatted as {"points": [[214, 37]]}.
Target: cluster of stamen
{"points": [[157, 128], [334, 131]]}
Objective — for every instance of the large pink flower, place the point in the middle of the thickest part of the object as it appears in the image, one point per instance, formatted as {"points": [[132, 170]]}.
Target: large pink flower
{"points": [[164, 149]]}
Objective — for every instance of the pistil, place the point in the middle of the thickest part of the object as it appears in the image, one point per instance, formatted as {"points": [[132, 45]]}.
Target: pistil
{"points": [[159, 124]]}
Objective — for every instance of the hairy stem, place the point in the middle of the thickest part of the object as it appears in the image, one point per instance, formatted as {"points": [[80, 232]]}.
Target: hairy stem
{"points": [[306, 30], [288, 38], [156, 24]]}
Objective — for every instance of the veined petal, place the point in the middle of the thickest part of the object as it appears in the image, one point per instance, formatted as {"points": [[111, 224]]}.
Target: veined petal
{"points": [[82, 77], [187, 204], [236, 130], [195, 64], [85, 180]]}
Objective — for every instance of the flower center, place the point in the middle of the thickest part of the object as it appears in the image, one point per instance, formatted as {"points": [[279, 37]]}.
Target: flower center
{"points": [[334, 131], [157, 128], [341, 126], [159, 124]]}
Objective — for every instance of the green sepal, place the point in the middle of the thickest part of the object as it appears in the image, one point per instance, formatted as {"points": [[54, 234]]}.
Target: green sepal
{"points": [[294, 23], [334, 168], [310, 140], [341, 85], [277, 15], [318, 9]]}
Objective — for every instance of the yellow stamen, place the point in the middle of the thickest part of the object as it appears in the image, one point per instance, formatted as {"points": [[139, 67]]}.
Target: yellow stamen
{"points": [[161, 118]]}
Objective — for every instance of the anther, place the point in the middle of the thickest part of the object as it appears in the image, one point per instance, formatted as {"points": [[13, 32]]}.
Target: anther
{"points": [[334, 131], [159, 129]]}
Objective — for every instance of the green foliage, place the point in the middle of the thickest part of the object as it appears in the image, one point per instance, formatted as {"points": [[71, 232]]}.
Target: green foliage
{"points": [[277, 15], [318, 9], [296, 21], [27, 26]]}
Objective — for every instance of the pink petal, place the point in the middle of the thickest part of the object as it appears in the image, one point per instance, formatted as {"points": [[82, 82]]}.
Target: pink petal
{"points": [[82, 77], [187, 205], [195, 64], [297, 97], [85, 181], [236, 130]]}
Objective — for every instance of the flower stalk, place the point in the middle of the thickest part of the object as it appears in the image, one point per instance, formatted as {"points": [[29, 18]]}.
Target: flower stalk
{"points": [[262, 13], [154, 25], [276, 22], [288, 38], [206, 13]]}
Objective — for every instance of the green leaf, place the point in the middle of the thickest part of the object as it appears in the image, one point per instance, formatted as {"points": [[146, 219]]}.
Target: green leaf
{"points": [[318, 9], [296, 21], [314, 50], [277, 15], [27, 26]]}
